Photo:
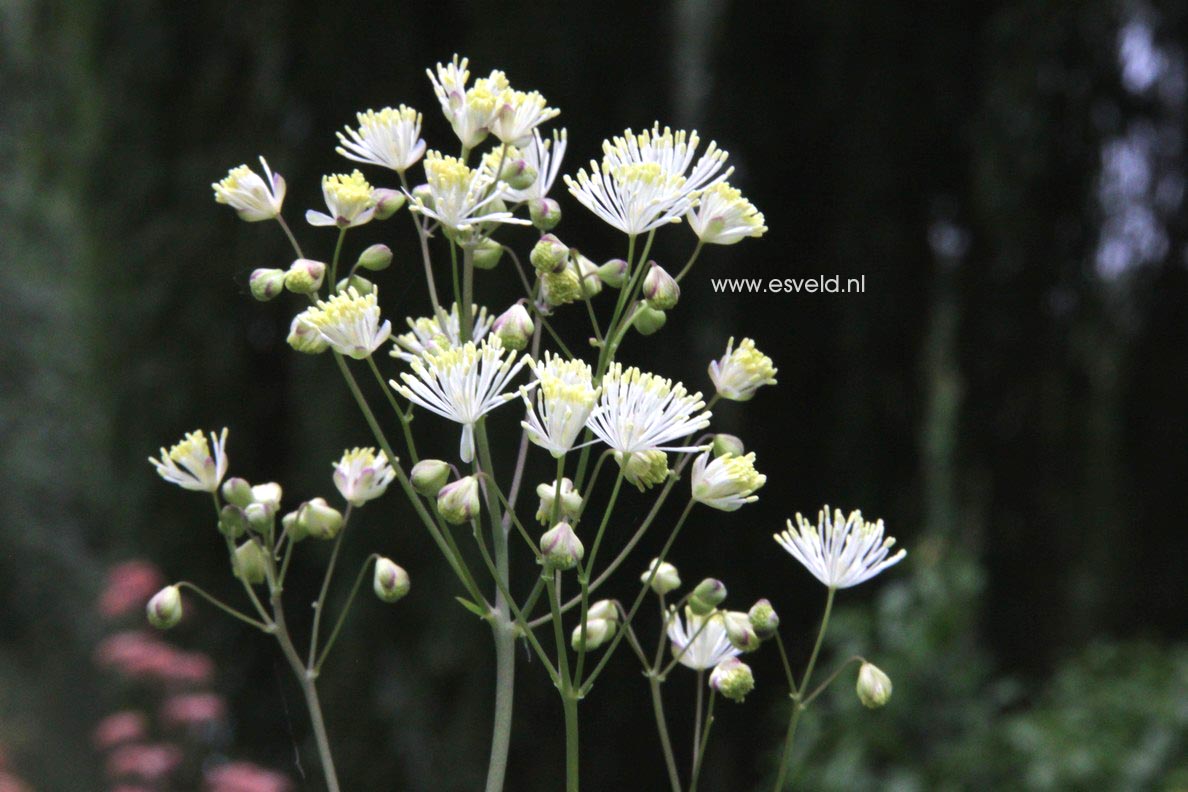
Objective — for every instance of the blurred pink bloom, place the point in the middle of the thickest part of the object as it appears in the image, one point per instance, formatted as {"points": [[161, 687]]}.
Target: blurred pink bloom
{"points": [[10, 783], [245, 777], [130, 788], [146, 762], [118, 650], [141, 655], [192, 668], [193, 709], [129, 587], [118, 728]]}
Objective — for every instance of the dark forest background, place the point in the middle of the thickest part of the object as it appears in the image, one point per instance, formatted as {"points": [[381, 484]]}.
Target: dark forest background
{"points": [[1008, 393]]}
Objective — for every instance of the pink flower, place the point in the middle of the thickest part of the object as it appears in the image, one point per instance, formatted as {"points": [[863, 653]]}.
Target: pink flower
{"points": [[193, 709], [118, 728], [147, 762], [129, 586], [245, 777]]}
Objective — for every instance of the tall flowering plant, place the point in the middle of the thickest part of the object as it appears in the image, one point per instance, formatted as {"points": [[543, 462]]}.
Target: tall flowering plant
{"points": [[603, 424]]}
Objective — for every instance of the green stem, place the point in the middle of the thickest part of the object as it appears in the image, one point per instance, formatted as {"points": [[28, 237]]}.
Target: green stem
{"points": [[572, 779], [334, 262], [243, 617], [346, 608], [292, 239], [584, 578], [425, 257], [697, 719], [709, 722], [320, 605], [674, 778], [829, 680], [689, 265], [404, 418]]}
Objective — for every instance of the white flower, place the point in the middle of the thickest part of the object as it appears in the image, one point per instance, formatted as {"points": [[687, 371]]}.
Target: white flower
{"points": [[191, 465], [350, 322], [545, 157], [726, 482], [564, 400], [700, 642], [461, 384], [362, 475], [433, 334], [518, 114], [461, 195], [253, 197], [722, 216], [741, 372], [644, 180], [390, 138], [841, 552], [349, 199], [470, 111], [641, 412]]}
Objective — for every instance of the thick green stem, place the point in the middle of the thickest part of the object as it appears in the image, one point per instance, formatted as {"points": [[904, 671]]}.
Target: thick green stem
{"points": [[674, 778], [572, 781]]}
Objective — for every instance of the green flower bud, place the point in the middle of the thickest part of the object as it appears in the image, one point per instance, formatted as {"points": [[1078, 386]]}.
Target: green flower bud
{"points": [[266, 284], [232, 521], [487, 254], [874, 687], [728, 444], [644, 469], [304, 337], [571, 502], [560, 548], [613, 273], [249, 563], [518, 174], [707, 596], [391, 582], [319, 519], [356, 282], [660, 289], [294, 529], [665, 580], [458, 501], [733, 679], [605, 610], [259, 517], [268, 495], [764, 620], [588, 272], [648, 320], [545, 213], [376, 258], [237, 492], [428, 476], [598, 632], [305, 276], [387, 203], [164, 610], [549, 255], [740, 632], [560, 288], [514, 327], [423, 195]]}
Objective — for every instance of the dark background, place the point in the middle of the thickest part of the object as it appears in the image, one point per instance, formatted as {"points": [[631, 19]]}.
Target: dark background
{"points": [[1008, 394]]}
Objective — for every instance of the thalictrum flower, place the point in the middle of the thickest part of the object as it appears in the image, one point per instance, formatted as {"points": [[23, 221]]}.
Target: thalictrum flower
{"points": [[350, 322], [518, 114], [462, 197], [545, 156], [641, 412], [470, 111], [190, 464], [699, 642], [433, 334], [722, 216], [842, 551], [349, 199], [565, 397], [742, 371], [390, 138], [253, 197], [726, 482], [362, 475]]}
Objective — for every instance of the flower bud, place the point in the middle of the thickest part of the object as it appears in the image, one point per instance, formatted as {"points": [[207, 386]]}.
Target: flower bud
{"points": [[764, 620], [660, 289], [545, 213], [560, 548], [428, 476], [305, 276], [319, 519], [356, 282], [549, 254], [874, 687], [605, 610], [514, 327], [613, 273], [295, 531], [728, 444], [259, 517], [267, 494], [648, 320], [391, 582], [733, 679], [376, 258], [740, 632], [458, 501], [707, 596], [560, 288], [248, 562], [598, 632], [571, 502], [387, 203], [487, 254], [588, 272], [644, 469], [423, 194], [518, 174], [165, 608], [233, 522], [237, 492], [304, 337], [665, 580], [266, 283]]}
